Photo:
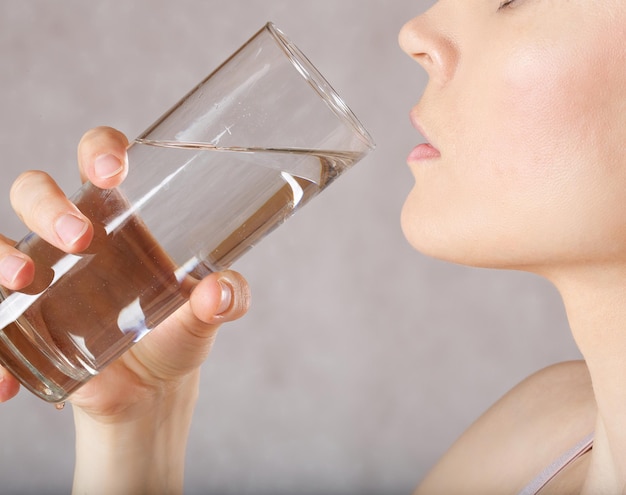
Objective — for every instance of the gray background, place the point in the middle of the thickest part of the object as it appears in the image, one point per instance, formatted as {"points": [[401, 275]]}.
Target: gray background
{"points": [[360, 360]]}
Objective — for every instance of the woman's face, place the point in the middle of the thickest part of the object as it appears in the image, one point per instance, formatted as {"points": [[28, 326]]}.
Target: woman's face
{"points": [[525, 113]]}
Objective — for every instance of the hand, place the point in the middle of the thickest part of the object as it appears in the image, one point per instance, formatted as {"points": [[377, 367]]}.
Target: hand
{"points": [[132, 420], [166, 361]]}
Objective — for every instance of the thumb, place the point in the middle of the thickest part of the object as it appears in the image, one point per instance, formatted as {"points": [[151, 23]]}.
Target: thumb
{"points": [[183, 341], [220, 297]]}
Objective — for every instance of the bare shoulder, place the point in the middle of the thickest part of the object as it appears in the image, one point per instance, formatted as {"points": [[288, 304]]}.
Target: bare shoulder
{"points": [[521, 434]]}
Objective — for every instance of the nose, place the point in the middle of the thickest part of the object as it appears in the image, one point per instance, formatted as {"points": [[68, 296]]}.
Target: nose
{"points": [[426, 42]]}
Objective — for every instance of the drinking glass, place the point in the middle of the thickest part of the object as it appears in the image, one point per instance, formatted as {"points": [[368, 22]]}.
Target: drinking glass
{"points": [[239, 154]]}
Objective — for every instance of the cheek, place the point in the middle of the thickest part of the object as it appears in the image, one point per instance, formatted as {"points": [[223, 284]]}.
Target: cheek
{"points": [[541, 108], [559, 153], [564, 118], [564, 102]]}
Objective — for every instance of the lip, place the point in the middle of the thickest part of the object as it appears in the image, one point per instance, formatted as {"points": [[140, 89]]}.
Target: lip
{"points": [[423, 151]]}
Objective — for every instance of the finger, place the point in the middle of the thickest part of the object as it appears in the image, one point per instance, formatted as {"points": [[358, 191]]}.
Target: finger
{"points": [[43, 207], [181, 343], [16, 269], [102, 157], [9, 386], [226, 300]]}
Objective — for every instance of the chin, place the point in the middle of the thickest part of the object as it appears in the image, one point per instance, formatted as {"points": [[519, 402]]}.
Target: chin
{"points": [[429, 239], [455, 244]]}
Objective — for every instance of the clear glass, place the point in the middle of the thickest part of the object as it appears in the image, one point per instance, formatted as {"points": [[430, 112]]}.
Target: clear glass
{"points": [[237, 156]]}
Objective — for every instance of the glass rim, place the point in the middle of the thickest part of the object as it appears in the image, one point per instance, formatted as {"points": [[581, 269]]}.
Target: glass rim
{"points": [[319, 83]]}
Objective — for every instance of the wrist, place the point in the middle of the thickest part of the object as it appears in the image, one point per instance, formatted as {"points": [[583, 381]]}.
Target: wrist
{"points": [[140, 450]]}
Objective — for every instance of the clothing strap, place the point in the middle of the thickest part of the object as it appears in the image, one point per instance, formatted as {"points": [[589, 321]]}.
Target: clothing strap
{"points": [[558, 465]]}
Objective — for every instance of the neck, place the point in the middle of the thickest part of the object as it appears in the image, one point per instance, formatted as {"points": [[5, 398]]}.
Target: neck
{"points": [[595, 301]]}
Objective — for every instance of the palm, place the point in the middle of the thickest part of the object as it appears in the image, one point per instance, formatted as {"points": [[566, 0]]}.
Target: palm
{"points": [[161, 361]]}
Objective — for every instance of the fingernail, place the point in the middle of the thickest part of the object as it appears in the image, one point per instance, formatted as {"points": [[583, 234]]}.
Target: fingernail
{"points": [[70, 228], [10, 268], [227, 298], [107, 166]]}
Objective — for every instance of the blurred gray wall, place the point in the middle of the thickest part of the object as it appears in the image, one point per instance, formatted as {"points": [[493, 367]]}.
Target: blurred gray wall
{"points": [[360, 360]]}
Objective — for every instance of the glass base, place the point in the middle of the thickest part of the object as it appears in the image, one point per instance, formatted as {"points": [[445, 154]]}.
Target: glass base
{"points": [[35, 365]]}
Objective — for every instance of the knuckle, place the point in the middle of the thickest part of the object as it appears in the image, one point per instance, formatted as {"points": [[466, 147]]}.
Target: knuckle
{"points": [[34, 195], [25, 178], [103, 134], [25, 183]]}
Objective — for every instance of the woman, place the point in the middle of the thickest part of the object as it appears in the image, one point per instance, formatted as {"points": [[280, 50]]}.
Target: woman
{"points": [[524, 169], [525, 111]]}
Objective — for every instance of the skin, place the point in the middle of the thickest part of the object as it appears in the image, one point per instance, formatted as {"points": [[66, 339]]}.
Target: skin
{"points": [[531, 186], [132, 419], [525, 114], [525, 111]]}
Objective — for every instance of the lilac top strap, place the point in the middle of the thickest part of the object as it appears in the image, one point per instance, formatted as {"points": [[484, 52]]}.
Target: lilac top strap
{"points": [[557, 466]]}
